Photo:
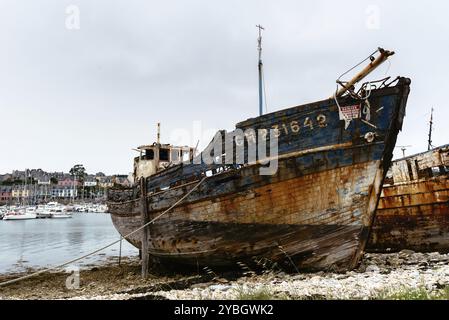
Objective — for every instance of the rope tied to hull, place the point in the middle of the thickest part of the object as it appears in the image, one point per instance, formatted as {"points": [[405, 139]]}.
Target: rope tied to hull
{"points": [[106, 246]]}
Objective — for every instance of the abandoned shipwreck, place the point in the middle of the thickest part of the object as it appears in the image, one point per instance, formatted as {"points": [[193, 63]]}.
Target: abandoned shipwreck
{"points": [[313, 212], [413, 212]]}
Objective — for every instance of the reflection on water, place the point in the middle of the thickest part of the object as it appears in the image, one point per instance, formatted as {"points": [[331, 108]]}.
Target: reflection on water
{"points": [[48, 242]]}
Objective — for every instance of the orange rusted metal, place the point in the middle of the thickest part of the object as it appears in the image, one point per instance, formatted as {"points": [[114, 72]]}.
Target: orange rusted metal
{"points": [[413, 211]]}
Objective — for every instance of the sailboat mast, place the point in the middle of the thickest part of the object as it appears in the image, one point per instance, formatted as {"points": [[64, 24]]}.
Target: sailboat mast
{"points": [[429, 146], [260, 67], [23, 200], [26, 200]]}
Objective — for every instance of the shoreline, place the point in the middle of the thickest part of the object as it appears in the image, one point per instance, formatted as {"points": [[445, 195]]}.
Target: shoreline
{"points": [[403, 275], [100, 260]]}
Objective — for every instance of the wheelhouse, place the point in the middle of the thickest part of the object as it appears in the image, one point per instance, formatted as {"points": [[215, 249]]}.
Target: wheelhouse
{"points": [[156, 157]]}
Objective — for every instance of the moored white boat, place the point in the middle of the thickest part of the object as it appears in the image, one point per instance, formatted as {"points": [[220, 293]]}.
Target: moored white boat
{"points": [[61, 215], [58, 211], [2, 212], [20, 215], [43, 212]]}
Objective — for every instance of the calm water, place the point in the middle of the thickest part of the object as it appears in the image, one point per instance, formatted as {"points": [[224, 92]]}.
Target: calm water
{"points": [[47, 242]]}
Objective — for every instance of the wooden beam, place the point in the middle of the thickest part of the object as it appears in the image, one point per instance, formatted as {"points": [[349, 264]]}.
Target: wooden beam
{"points": [[384, 55], [145, 231]]}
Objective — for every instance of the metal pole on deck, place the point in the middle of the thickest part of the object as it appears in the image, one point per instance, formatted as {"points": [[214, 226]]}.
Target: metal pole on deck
{"points": [[429, 146], [260, 67]]}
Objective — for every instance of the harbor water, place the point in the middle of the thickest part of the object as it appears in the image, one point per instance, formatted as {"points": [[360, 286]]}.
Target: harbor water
{"points": [[39, 243]]}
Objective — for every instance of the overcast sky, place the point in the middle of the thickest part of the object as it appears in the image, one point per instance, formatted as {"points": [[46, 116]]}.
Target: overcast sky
{"points": [[90, 94]]}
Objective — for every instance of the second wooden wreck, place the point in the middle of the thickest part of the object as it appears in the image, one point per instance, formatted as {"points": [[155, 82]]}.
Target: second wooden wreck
{"points": [[413, 212]]}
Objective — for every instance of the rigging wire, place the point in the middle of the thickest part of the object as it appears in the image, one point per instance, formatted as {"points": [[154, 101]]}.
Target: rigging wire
{"points": [[388, 68], [358, 64]]}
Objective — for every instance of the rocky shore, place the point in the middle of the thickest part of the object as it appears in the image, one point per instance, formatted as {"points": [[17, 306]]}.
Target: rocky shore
{"points": [[403, 275]]}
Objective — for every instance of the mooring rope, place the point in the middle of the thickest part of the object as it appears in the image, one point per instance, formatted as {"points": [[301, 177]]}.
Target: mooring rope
{"points": [[104, 247]]}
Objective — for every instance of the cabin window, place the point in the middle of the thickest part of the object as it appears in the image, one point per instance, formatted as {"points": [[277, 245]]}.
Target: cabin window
{"points": [[425, 173], [410, 170], [149, 154], [164, 155], [175, 155], [185, 155], [437, 171]]}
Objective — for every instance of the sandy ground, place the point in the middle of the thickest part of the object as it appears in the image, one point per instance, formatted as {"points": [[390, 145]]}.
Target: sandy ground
{"points": [[379, 275]]}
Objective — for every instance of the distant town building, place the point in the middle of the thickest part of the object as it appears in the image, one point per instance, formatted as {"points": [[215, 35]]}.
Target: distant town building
{"points": [[45, 180], [121, 180], [43, 192], [20, 192], [64, 192], [90, 183], [68, 182], [106, 184], [6, 177], [38, 186], [5, 195]]}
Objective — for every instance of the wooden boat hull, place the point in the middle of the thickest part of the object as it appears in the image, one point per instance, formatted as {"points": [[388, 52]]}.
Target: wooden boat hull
{"points": [[275, 222], [414, 214], [314, 213]]}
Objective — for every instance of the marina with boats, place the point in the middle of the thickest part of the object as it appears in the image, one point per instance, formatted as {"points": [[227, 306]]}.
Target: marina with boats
{"points": [[50, 210]]}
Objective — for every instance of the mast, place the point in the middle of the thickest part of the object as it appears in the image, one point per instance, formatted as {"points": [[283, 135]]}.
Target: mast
{"points": [[260, 67], [25, 195], [429, 146], [24, 189], [157, 152], [403, 151], [403, 148], [73, 187]]}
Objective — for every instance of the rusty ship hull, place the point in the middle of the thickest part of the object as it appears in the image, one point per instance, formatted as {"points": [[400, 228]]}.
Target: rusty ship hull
{"points": [[413, 212], [314, 213]]}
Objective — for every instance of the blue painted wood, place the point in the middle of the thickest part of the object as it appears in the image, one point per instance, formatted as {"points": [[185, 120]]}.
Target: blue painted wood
{"points": [[384, 104]]}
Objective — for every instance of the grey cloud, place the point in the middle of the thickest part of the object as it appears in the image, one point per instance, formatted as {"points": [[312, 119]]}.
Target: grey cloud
{"points": [[91, 95]]}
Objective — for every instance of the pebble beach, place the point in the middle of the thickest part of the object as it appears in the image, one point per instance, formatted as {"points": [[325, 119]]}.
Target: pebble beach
{"points": [[402, 275]]}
